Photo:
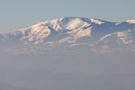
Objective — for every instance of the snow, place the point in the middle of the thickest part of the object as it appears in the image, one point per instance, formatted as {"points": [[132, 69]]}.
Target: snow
{"points": [[121, 34], [37, 33], [105, 47], [96, 21], [124, 37], [104, 37], [75, 23], [131, 21]]}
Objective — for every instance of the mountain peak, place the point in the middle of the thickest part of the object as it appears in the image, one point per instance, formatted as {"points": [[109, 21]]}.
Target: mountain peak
{"points": [[88, 20]]}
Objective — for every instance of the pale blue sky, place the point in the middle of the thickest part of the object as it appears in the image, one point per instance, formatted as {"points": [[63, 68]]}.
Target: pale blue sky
{"points": [[15, 14]]}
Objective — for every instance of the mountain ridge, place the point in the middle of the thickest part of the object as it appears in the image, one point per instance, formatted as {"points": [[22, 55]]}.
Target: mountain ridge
{"points": [[71, 30]]}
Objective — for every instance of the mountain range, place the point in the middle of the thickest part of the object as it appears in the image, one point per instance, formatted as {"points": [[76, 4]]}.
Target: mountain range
{"points": [[70, 53], [97, 35]]}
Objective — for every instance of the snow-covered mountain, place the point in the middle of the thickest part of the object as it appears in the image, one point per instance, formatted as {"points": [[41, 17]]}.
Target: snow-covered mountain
{"points": [[98, 35], [65, 54]]}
